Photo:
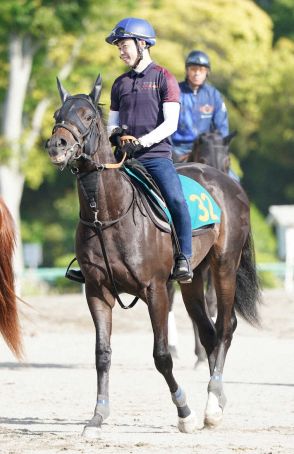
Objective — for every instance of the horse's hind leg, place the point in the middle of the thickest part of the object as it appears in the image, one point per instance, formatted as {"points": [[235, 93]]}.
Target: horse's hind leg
{"points": [[210, 294], [101, 312], [226, 322], [195, 303], [210, 298], [172, 329], [199, 349], [158, 306]]}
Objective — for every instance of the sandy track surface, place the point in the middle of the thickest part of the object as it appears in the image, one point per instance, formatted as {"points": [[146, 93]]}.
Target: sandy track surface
{"points": [[46, 400]]}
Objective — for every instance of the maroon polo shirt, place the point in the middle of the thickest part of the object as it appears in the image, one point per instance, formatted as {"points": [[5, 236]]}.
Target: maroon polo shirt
{"points": [[138, 97]]}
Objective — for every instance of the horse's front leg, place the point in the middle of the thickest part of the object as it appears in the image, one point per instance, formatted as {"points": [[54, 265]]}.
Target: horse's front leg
{"points": [[158, 306], [101, 311]]}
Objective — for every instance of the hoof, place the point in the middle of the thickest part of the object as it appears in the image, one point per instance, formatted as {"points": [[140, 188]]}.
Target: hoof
{"points": [[213, 412], [92, 432], [187, 425], [212, 421]]}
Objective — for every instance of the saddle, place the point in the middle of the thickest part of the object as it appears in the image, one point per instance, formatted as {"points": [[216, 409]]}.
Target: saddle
{"points": [[154, 204], [149, 193]]}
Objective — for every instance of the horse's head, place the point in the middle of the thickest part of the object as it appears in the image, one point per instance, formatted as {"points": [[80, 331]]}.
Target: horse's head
{"points": [[213, 150], [75, 132]]}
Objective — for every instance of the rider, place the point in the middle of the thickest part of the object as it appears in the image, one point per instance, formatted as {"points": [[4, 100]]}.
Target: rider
{"points": [[202, 106], [145, 100]]}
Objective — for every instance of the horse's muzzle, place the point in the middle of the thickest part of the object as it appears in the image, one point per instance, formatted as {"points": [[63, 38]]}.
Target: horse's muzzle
{"points": [[60, 152]]}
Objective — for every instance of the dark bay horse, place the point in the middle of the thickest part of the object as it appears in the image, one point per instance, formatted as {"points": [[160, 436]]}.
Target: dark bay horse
{"points": [[212, 149], [9, 321], [119, 249]]}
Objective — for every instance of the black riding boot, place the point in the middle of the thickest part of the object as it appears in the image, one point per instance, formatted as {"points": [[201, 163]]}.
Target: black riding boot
{"points": [[75, 275], [182, 271]]}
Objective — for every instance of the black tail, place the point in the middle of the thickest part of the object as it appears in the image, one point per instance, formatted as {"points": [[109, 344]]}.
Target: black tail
{"points": [[248, 291]]}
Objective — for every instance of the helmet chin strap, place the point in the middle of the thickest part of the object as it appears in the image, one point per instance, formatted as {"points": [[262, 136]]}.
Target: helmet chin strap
{"points": [[140, 51]]}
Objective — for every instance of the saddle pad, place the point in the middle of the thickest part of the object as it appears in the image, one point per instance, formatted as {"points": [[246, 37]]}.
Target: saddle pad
{"points": [[202, 207]]}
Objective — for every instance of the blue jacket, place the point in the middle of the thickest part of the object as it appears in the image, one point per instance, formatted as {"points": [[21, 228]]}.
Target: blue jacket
{"points": [[202, 111]]}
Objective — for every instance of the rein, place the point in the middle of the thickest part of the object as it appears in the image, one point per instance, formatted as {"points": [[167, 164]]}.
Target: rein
{"points": [[89, 189]]}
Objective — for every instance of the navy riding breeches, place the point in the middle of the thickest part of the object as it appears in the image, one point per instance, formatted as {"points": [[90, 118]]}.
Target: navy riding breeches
{"points": [[165, 176]]}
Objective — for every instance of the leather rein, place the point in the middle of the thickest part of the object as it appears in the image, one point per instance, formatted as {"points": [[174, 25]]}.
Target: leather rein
{"points": [[88, 183]]}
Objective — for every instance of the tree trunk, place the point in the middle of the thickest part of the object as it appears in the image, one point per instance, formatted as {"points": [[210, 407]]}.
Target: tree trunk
{"points": [[11, 177], [21, 53]]}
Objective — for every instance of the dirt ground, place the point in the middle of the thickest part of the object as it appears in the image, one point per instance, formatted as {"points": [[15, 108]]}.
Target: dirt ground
{"points": [[46, 400]]}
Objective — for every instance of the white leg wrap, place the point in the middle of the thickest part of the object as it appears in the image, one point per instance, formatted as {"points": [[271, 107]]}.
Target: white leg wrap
{"points": [[188, 425]]}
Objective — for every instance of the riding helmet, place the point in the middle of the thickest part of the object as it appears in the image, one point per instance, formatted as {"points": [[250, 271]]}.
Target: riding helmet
{"points": [[131, 27], [197, 57]]}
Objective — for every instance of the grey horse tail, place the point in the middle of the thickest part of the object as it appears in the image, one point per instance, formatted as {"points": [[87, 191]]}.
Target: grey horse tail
{"points": [[248, 290]]}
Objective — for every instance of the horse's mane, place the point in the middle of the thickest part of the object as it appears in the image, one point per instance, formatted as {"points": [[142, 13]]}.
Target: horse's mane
{"points": [[101, 123]]}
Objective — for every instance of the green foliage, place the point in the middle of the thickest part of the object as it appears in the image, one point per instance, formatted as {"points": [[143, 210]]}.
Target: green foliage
{"points": [[269, 168], [43, 18], [282, 13], [265, 244], [239, 45], [264, 239]]}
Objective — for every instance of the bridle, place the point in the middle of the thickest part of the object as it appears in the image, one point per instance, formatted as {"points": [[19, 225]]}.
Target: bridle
{"points": [[85, 137]]}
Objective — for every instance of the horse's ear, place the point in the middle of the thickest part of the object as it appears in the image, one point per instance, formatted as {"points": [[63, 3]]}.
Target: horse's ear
{"points": [[62, 91], [96, 92], [228, 138]]}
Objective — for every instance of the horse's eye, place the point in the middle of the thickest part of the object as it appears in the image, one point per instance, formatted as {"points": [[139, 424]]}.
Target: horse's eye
{"points": [[89, 117]]}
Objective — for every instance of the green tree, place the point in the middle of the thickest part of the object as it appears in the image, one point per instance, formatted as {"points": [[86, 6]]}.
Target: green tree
{"points": [[269, 169], [237, 35], [240, 45], [26, 29], [282, 13], [174, 42], [39, 39]]}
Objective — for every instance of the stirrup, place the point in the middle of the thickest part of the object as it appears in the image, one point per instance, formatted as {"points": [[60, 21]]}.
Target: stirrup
{"points": [[75, 275]]}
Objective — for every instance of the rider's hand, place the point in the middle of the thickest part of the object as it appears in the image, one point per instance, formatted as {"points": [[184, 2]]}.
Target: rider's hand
{"points": [[131, 147], [115, 136]]}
